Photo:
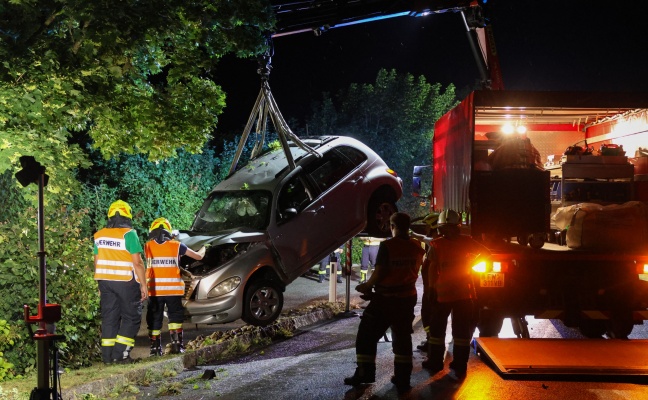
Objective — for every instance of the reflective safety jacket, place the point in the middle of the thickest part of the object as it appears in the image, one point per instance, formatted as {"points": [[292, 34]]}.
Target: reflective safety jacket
{"points": [[163, 272], [114, 261], [451, 262], [403, 261]]}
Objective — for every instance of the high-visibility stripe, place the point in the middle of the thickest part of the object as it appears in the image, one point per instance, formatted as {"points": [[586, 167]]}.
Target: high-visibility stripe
{"points": [[105, 271], [155, 332], [130, 342], [436, 340], [107, 342], [114, 263], [366, 358], [402, 359], [461, 342], [175, 326]]}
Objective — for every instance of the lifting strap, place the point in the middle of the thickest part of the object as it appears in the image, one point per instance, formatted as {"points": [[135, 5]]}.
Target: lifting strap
{"points": [[264, 107]]}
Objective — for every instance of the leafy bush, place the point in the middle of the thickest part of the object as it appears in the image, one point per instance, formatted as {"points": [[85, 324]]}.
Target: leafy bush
{"points": [[7, 337], [69, 282]]}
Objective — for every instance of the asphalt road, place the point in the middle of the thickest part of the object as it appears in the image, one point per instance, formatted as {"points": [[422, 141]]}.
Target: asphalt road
{"points": [[313, 363], [302, 292]]}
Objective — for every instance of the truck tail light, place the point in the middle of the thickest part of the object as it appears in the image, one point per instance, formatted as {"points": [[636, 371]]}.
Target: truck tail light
{"points": [[483, 266], [642, 268], [497, 266], [480, 267]]}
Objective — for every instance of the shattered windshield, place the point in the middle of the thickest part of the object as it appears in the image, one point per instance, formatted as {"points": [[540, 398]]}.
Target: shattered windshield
{"points": [[228, 210]]}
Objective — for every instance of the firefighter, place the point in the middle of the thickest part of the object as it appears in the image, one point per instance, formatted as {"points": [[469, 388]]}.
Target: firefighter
{"points": [[451, 257], [120, 276], [165, 285], [369, 254], [391, 305], [431, 220], [324, 266]]}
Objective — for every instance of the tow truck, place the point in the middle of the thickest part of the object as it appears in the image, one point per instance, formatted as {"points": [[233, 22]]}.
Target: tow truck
{"points": [[531, 272]]}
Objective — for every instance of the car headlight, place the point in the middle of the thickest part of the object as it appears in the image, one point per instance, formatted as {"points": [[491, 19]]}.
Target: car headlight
{"points": [[224, 287]]}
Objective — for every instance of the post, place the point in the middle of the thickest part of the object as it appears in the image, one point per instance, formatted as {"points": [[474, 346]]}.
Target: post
{"points": [[347, 272], [333, 281], [33, 172]]}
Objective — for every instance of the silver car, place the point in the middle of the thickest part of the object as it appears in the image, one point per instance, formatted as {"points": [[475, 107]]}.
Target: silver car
{"points": [[267, 224]]}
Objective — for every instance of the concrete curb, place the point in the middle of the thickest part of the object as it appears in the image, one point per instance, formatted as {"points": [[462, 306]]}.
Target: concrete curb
{"points": [[207, 354]]}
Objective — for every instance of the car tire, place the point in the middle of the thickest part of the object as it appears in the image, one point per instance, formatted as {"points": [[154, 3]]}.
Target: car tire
{"points": [[263, 302], [380, 208]]}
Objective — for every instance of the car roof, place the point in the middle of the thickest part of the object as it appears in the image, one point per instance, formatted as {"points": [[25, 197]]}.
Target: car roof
{"points": [[263, 172]]}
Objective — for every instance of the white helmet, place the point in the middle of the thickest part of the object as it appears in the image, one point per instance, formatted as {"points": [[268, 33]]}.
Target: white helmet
{"points": [[449, 217]]}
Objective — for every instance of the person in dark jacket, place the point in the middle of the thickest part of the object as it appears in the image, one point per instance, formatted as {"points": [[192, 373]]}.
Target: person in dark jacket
{"points": [[392, 292], [450, 258]]}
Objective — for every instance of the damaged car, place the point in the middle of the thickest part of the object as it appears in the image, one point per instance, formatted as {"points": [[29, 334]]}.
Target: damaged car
{"points": [[267, 224]]}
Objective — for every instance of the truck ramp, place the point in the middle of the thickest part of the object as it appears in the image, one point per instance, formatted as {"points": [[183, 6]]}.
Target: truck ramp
{"points": [[567, 359]]}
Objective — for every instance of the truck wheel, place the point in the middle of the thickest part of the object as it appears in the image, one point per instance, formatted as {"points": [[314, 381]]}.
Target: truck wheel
{"points": [[380, 208], [593, 329], [537, 240], [619, 328], [490, 325], [263, 302], [520, 327], [523, 239]]}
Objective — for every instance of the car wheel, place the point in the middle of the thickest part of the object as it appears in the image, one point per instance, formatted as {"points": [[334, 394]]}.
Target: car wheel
{"points": [[379, 211], [263, 303]]}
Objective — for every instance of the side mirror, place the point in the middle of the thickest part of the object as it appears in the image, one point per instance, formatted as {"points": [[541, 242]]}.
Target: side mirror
{"points": [[288, 213]]}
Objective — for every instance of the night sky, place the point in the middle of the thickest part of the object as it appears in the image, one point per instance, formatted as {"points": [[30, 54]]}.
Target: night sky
{"points": [[542, 45]]}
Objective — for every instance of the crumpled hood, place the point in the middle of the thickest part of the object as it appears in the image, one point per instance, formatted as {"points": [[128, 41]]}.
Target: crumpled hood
{"points": [[243, 235]]}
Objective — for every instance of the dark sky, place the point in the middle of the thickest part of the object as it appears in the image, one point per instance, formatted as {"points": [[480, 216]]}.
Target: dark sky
{"points": [[543, 45]]}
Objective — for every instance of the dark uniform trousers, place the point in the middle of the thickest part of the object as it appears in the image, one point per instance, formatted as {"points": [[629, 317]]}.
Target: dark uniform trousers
{"points": [[155, 311], [462, 331], [382, 313], [121, 316]]}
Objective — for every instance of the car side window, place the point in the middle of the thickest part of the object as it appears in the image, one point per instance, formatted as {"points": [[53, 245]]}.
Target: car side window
{"points": [[355, 156], [329, 170], [293, 195]]}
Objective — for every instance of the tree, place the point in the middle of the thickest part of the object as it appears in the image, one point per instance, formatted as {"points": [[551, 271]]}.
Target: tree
{"points": [[135, 76], [132, 77], [394, 116]]}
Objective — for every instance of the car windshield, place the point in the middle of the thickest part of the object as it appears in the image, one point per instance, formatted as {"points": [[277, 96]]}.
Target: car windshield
{"points": [[238, 209]]}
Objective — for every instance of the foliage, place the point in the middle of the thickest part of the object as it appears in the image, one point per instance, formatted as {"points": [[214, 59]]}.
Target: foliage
{"points": [[173, 188], [394, 116], [69, 282], [7, 337], [134, 76]]}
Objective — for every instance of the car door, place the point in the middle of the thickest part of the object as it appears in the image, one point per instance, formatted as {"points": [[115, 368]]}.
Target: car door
{"points": [[340, 183], [294, 235]]}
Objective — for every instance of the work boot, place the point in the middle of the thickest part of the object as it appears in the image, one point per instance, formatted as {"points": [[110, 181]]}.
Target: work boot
{"points": [[402, 372], [339, 279], [434, 362], [177, 345], [156, 345], [363, 276], [402, 384], [423, 346], [363, 374], [459, 364]]}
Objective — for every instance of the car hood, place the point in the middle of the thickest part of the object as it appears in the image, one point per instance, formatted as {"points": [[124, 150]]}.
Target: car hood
{"points": [[197, 240]]}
